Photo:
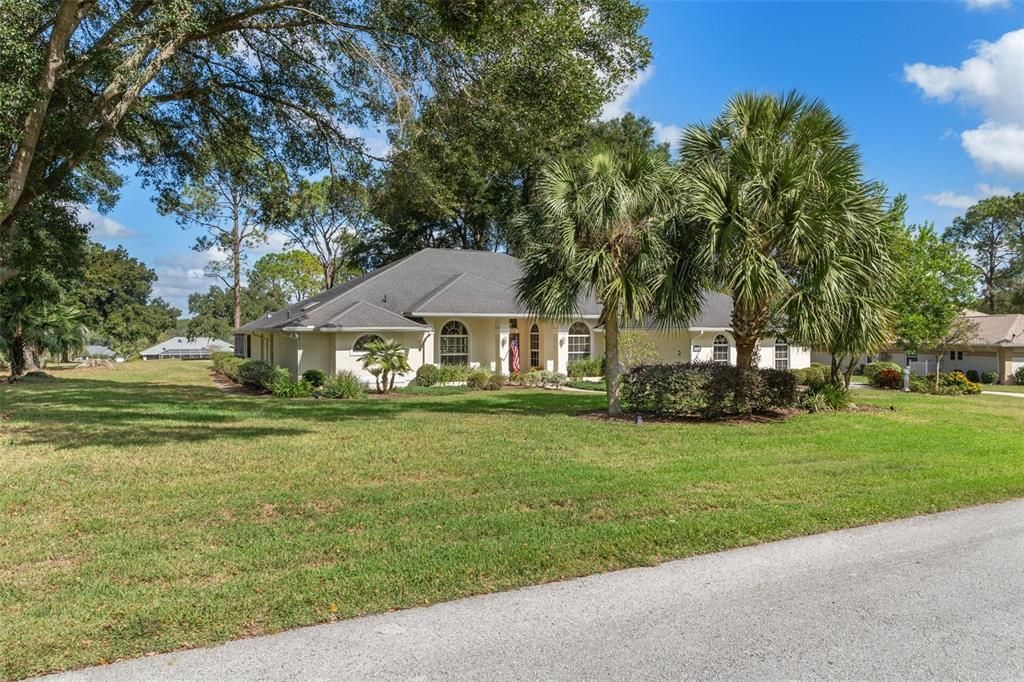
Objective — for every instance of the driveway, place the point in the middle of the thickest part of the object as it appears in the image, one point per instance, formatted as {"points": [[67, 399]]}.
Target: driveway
{"points": [[930, 597]]}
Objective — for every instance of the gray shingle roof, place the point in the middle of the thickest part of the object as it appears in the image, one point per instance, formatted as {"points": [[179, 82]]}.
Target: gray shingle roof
{"points": [[431, 282], [182, 343]]}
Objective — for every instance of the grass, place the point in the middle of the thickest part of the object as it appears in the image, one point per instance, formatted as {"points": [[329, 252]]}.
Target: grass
{"points": [[142, 509], [586, 385], [999, 388]]}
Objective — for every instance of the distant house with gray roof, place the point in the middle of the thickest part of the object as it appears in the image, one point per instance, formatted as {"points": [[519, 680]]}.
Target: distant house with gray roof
{"points": [[460, 307], [181, 348]]}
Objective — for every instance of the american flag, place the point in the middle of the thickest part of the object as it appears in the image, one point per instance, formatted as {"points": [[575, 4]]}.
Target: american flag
{"points": [[513, 346]]}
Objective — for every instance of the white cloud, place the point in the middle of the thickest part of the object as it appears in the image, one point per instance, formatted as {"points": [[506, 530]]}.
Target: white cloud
{"points": [[992, 82], [986, 4], [962, 202], [667, 133], [102, 226], [996, 147], [619, 106]]}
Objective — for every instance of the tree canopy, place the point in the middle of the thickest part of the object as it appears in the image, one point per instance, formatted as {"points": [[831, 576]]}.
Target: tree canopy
{"points": [[776, 210], [91, 85]]}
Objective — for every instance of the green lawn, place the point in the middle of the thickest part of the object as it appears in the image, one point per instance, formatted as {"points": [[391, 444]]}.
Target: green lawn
{"points": [[141, 509], [1003, 389]]}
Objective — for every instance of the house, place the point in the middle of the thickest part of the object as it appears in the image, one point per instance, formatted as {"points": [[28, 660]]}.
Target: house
{"points": [[997, 346], [459, 307], [94, 351], [180, 348]]}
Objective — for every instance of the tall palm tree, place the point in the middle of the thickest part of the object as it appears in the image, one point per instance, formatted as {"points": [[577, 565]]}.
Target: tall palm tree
{"points": [[599, 230], [774, 199], [386, 359]]}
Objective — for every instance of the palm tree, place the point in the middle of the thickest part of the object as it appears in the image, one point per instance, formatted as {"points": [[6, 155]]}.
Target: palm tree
{"points": [[386, 359], [774, 199], [599, 230], [30, 327]]}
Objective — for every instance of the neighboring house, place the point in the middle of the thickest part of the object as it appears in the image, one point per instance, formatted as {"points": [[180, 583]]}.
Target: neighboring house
{"points": [[180, 348], [459, 307], [997, 346], [98, 352]]}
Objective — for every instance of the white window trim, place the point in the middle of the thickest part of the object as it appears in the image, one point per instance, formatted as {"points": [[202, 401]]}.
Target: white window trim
{"points": [[728, 350], [360, 353], [590, 342]]}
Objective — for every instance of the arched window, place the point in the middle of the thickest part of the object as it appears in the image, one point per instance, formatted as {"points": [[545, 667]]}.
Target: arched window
{"points": [[579, 341], [781, 354], [454, 344], [534, 346], [360, 345], [720, 350]]}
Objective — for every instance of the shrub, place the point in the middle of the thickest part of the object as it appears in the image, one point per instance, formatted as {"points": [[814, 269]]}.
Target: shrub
{"points": [[779, 388], [427, 375], [972, 375], [495, 382], [533, 378], [478, 380], [706, 389], [586, 367], [989, 377], [259, 374], [872, 369], [828, 398], [285, 387], [888, 378], [1018, 376], [635, 349], [314, 377], [343, 385], [552, 379], [957, 383], [815, 376], [448, 374], [227, 364], [515, 379]]}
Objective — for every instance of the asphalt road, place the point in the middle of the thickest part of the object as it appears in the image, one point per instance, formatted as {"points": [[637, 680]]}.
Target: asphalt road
{"points": [[934, 597]]}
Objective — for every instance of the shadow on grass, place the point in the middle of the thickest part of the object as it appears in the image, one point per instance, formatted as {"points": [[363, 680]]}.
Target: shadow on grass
{"points": [[81, 412]]}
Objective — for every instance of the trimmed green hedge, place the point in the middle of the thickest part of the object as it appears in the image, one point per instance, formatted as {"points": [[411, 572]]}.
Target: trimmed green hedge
{"points": [[586, 367], [706, 390]]}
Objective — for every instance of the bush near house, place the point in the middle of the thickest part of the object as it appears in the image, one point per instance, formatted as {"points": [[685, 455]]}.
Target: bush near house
{"points": [[1018, 376], [314, 377], [957, 383], [427, 375], [972, 375], [872, 369], [227, 364], [706, 390], [482, 380], [449, 374], [888, 377], [286, 387], [343, 385], [826, 398], [814, 377], [989, 377], [586, 367]]}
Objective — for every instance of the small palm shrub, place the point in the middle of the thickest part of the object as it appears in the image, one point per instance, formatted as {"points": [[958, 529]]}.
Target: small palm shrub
{"points": [[586, 367], [989, 377], [343, 385], [314, 377], [386, 359], [428, 375], [828, 398], [972, 375], [871, 370]]}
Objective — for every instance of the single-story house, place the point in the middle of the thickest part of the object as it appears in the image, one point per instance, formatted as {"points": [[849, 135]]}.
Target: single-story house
{"points": [[180, 348], [96, 351], [997, 346], [459, 307]]}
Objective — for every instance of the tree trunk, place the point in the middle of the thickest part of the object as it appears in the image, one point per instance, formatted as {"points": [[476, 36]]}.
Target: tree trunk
{"points": [[848, 374], [65, 23], [746, 349], [612, 368], [18, 359], [938, 365], [236, 256]]}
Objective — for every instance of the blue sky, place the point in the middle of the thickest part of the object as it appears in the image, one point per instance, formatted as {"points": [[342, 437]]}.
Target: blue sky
{"points": [[933, 92]]}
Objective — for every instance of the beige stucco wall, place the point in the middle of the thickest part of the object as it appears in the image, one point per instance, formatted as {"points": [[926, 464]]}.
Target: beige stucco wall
{"points": [[347, 359]]}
